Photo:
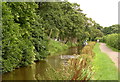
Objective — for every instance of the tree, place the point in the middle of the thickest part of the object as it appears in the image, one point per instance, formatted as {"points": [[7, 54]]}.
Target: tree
{"points": [[111, 29], [23, 37]]}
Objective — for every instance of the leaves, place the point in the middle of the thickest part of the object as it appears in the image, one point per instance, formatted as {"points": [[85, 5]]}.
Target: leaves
{"points": [[20, 29], [113, 40], [28, 27]]}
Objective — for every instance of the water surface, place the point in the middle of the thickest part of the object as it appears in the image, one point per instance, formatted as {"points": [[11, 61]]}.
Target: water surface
{"points": [[39, 68]]}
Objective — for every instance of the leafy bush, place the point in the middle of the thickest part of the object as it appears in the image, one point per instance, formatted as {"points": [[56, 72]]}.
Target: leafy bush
{"points": [[113, 40], [23, 40], [103, 39]]}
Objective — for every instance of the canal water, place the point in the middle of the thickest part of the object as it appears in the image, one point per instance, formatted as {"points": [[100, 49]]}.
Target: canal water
{"points": [[39, 68]]}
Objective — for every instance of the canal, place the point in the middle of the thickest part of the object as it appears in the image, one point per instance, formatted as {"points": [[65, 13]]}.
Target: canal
{"points": [[39, 68]]}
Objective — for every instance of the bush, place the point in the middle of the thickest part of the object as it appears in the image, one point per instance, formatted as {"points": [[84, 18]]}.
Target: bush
{"points": [[23, 39], [113, 40], [103, 39]]}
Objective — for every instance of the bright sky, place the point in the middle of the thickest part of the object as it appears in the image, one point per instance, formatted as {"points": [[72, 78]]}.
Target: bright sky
{"points": [[104, 12]]}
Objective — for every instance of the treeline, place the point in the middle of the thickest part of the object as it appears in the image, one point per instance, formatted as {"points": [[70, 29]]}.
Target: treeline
{"points": [[27, 28], [111, 29], [111, 36]]}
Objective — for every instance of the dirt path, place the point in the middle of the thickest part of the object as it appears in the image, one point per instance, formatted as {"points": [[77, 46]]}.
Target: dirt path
{"points": [[112, 54]]}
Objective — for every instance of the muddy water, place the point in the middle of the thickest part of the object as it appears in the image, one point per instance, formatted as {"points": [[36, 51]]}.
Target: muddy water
{"points": [[39, 68]]}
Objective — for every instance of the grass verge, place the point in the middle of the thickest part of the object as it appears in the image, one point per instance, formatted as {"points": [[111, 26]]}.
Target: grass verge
{"points": [[114, 49], [55, 46], [103, 66]]}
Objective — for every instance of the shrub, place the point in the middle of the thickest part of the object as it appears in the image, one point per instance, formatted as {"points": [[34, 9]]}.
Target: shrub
{"points": [[113, 40], [23, 39], [103, 39]]}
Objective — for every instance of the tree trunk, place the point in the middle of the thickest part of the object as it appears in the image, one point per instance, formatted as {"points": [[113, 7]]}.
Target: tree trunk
{"points": [[50, 33]]}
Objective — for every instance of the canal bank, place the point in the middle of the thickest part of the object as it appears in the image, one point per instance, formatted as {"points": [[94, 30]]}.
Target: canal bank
{"points": [[39, 68], [73, 64]]}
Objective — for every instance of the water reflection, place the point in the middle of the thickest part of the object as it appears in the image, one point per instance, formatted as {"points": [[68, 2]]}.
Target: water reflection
{"points": [[38, 69]]}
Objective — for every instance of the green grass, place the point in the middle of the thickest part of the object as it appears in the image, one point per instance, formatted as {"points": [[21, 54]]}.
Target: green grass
{"points": [[70, 44], [114, 49], [103, 65], [55, 47]]}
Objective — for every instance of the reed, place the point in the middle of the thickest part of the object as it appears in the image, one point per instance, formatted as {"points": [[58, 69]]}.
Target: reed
{"points": [[79, 68], [76, 69]]}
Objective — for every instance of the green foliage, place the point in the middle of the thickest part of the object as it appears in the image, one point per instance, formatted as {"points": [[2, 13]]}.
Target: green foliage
{"points": [[71, 44], [95, 33], [103, 39], [111, 29], [114, 49], [63, 21], [55, 47], [113, 40], [29, 29], [10, 41], [21, 28]]}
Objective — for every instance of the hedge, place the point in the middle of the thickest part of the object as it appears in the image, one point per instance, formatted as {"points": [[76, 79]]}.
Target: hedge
{"points": [[113, 40]]}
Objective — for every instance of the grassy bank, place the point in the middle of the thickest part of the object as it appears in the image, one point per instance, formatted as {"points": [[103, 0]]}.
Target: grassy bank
{"points": [[103, 65], [56, 46], [114, 49]]}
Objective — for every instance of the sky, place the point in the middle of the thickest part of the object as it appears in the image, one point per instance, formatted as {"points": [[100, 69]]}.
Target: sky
{"points": [[104, 12]]}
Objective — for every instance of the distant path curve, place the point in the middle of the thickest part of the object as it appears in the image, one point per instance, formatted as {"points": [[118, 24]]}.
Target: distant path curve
{"points": [[112, 54]]}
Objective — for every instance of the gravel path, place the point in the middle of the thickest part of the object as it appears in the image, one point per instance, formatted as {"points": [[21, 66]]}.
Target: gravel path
{"points": [[112, 54]]}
